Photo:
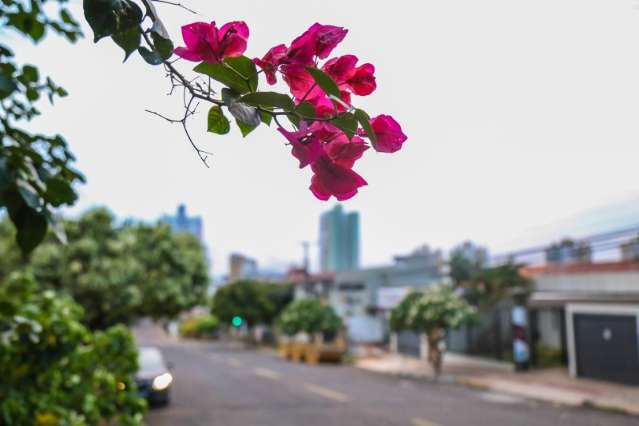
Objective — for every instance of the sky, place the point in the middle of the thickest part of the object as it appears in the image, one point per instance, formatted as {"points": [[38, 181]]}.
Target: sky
{"points": [[521, 120]]}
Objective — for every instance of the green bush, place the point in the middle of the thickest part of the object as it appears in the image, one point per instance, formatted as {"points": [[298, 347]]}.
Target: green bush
{"points": [[200, 327], [310, 316], [548, 356], [54, 370]]}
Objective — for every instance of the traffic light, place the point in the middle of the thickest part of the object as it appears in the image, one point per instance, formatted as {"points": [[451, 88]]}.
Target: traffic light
{"points": [[236, 321]]}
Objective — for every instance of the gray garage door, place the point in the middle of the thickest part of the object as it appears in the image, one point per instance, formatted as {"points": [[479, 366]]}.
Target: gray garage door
{"points": [[606, 347]]}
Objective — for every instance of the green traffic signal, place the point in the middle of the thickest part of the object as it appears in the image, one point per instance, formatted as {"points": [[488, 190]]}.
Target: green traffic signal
{"points": [[236, 321]]}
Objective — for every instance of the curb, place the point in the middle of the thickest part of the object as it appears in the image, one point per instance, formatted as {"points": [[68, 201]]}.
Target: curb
{"points": [[478, 384]]}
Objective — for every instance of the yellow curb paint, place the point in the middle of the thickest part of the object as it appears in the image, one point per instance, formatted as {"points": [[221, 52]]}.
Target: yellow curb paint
{"points": [[326, 393]]}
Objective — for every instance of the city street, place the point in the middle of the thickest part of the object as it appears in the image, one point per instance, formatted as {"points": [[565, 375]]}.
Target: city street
{"points": [[223, 384]]}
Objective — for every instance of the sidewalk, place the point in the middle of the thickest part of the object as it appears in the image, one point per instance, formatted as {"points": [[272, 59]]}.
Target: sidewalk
{"points": [[550, 385]]}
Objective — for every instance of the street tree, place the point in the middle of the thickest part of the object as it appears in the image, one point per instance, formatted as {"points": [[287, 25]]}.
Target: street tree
{"points": [[117, 273], [309, 316], [246, 299], [433, 312], [175, 271]]}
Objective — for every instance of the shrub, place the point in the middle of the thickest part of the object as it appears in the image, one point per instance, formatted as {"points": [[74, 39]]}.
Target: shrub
{"points": [[200, 327], [54, 370]]}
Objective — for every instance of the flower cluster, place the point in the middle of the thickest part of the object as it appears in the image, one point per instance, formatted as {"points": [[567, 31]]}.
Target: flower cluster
{"points": [[332, 137]]}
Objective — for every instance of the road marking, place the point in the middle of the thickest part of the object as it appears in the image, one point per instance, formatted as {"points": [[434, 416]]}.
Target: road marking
{"points": [[421, 422], [326, 393], [266, 373], [234, 363]]}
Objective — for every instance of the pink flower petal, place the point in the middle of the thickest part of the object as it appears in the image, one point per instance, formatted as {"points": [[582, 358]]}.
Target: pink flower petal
{"points": [[389, 134]]}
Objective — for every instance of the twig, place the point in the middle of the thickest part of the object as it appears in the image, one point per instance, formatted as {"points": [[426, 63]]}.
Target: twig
{"points": [[176, 4]]}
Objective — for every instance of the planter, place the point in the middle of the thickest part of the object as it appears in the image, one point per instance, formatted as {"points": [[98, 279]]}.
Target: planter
{"points": [[297, 351], [284, 348], [319, 351]]}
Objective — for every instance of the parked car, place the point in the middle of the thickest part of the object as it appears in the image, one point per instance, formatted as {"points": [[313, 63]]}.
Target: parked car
{"points": [[154, 378]]}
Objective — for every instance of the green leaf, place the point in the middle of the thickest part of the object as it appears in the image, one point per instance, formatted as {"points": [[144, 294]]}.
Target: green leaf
{"points": [[269, 99], [217, 122], [5, 174], [151, 57], [245, 128], [238, 73], [324, 81], [164, 46], [28, 193], [245, 113], [31, 226], [365, 122], [7, 86], [229, 96], [303, 111], [306, 110], [347, 123], [244, 66], [66, 17], [57, 227], [59, 191], [107, 17], [30, 74], [128, 40], [158, 27], [31, 230], [266, 118]]}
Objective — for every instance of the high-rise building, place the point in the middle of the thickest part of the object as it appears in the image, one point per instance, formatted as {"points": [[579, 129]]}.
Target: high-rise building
{"points": [[339, 240], [181, 222]]}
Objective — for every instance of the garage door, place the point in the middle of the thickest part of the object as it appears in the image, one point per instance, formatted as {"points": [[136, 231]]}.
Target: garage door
{"points": [[606, 347]]}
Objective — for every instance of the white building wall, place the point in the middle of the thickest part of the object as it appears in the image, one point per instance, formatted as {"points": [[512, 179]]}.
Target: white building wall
{"points": [[600, 282]]}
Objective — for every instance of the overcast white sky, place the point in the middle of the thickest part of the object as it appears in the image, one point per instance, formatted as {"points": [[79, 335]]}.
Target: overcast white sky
{"points": [[520, 115]]}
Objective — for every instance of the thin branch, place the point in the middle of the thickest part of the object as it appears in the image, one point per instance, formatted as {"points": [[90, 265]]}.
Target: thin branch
{"points": [[176, 4]]}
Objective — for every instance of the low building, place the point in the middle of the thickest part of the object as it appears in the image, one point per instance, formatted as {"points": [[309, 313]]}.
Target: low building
{"points": [[242, 267], [590, 312], [363, 298]]}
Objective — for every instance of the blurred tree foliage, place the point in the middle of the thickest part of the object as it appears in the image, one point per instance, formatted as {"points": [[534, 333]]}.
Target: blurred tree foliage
{"points": [[117, 273], [490, 285], [247, 299], [433, 312], [54, 370], [309, 316], [36, 173]]}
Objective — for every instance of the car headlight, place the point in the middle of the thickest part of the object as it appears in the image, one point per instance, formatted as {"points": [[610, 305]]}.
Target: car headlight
{"points": [[162, 381]]}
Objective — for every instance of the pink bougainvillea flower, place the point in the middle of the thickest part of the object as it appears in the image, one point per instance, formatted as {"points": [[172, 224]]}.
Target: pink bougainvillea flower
{"points": [[360, 80], [299, 81], [345, 153], [204, 42], [328, 37], [331, 179], [271, 61], [319, 40], [197, 37], [340, 68], [389, 134], [306, 145]]}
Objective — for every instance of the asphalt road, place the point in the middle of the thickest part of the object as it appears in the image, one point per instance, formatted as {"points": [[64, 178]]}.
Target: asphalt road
{"points": [[223, 384]]}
